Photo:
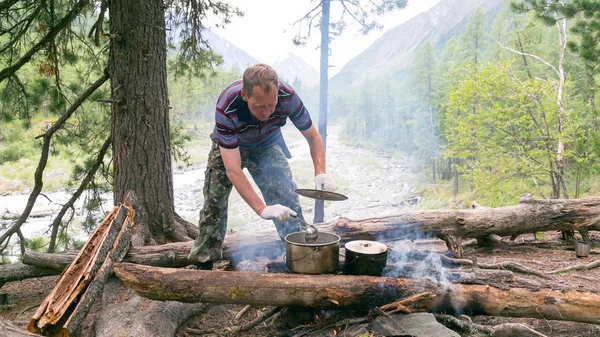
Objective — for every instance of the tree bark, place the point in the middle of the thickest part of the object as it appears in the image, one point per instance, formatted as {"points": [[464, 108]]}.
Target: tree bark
{"points": [[323, 291], [362, 292], [140, 116], [62, 311], [19, 271], [323, 90]]}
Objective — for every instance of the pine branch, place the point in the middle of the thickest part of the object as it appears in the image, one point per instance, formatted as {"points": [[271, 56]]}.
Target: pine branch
{"points": [[84, 183], [47, 136], [62, 24]]}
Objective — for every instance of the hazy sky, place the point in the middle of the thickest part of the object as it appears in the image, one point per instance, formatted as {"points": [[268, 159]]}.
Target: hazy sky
{"points": [[265, 32]]}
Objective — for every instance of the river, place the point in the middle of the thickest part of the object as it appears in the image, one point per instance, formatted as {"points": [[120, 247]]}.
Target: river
{"points": [[375, 183]]}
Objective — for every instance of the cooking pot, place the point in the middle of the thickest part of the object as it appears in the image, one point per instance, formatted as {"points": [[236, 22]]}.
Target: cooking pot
{"points": [[318, 257], [365, 258]]}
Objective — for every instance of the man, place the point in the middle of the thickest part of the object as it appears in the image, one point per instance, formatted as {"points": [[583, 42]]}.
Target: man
{"points": [[249, 116]]}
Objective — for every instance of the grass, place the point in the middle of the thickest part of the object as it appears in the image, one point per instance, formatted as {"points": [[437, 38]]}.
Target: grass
{"points": [[18, 176]]}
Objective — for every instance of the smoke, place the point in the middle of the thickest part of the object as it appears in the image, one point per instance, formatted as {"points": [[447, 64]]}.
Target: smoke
{"points": [[407, 262], [404, 261]]}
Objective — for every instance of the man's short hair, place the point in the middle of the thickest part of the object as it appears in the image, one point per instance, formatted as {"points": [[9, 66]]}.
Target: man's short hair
{"points": [[259, 74]]}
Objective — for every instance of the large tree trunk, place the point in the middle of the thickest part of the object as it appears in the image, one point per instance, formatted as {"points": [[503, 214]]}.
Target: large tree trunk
{"points": [[140, 115], [362, 292]]}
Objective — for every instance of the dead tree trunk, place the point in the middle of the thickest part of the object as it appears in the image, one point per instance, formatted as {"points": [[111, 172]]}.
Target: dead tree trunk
{"points": [[363, 292], [63, 310]]}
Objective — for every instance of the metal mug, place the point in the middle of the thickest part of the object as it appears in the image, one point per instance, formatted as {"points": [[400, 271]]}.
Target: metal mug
{"points": [[582, 248]]}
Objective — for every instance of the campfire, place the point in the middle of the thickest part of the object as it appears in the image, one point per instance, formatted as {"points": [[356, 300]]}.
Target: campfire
{"points": [[422, 275]]}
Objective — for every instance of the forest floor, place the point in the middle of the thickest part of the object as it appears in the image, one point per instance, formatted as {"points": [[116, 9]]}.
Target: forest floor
{"points": [[545, 255]]}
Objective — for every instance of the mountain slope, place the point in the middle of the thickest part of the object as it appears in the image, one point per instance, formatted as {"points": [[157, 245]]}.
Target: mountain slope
{"points": [[394, 51], [293, 67], [232, 55]]}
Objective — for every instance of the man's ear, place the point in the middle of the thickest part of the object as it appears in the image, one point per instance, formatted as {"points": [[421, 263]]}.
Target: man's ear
{"points": [[244, 96]]}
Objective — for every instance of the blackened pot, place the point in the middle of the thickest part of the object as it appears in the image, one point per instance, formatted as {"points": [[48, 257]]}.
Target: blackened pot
{"points": [[365, 258]]}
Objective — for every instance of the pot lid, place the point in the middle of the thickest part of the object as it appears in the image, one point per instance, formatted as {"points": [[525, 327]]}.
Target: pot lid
{"points": [[320, 194], [366, 247]]}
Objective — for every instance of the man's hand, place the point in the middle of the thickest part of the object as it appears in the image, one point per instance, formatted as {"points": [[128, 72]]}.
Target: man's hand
{"points": [[324, 182], [277, 211]]}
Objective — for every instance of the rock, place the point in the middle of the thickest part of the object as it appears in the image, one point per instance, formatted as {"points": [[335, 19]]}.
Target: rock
{"points": [[414, 325]]}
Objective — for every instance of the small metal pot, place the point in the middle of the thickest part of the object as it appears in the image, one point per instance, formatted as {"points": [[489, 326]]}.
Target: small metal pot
{"points": [[365, 258], [319, 257], [582, 248]]}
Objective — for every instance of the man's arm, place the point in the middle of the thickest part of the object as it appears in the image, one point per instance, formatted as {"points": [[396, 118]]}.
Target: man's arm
{"points": [[317, 149], [233, 167]]}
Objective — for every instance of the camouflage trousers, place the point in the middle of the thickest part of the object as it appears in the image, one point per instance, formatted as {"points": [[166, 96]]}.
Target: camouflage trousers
{"points": [[271, 172]]}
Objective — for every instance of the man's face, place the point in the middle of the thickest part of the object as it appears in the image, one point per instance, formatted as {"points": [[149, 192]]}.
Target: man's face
{"points": [[261, 104]]}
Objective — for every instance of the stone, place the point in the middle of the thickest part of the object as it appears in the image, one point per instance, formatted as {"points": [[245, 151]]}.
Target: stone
{"points": [[414, 325]]}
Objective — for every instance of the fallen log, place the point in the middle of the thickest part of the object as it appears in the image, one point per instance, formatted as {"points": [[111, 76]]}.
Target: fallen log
{"points": [[451, 225], [19, 271], [341, 291]]}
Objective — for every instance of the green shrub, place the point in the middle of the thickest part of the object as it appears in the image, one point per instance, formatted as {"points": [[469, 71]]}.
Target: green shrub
{"points": [[36, 244]]}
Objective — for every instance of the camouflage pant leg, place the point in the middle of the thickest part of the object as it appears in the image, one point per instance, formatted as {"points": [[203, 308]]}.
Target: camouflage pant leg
{"points": [[212, 224], [271, 173]]}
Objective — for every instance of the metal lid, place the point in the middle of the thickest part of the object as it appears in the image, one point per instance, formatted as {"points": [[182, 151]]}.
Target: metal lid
{"points": [[320, 194], [324, 239], [366, 247]]}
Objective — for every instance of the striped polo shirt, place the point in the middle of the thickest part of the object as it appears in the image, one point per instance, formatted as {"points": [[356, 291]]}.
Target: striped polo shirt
{"points": [[236, 126]]}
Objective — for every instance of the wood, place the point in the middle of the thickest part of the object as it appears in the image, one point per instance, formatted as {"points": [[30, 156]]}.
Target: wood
{"points": [[341, 291], [527, 217], [53, 261], [19, 271], [264, 289], [94, 289], [63, 309]]}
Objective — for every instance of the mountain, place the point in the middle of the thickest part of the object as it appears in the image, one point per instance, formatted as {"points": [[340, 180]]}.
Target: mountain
{"points": [[289, 68], [232, 55], [393, 52], [293, 67]]}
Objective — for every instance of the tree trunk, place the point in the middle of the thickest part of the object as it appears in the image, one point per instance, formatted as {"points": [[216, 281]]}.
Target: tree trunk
{"points": [[140, 115], [63, 310], [323, 90], [356, 292]]}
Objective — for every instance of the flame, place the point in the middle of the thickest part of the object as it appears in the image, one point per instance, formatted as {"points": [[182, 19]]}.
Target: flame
{"points": [[335, 332], [316, 317]]}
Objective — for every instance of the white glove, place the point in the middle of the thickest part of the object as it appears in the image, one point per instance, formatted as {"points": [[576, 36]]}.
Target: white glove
{"points": [[324, 182], [277, 211]]}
